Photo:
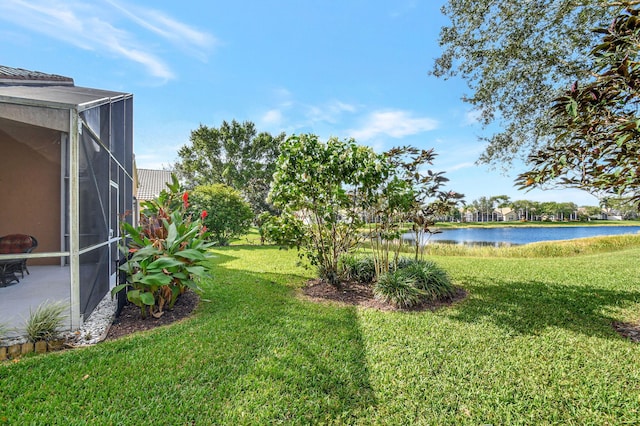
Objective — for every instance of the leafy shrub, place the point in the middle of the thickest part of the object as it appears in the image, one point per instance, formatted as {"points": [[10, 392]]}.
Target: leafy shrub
{"points": [[165, 253], [45, 322], [312, 186], [229, 216], [429, 277], [357, 268], [398, 289], [285, 230]]}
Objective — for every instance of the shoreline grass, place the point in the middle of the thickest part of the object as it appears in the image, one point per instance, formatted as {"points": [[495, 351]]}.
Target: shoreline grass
{"points": [[531, 344]]}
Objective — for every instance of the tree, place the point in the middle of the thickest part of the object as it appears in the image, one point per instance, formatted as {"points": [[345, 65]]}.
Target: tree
{"points": [[484, 207], [235, 155], [228, 215], [599, 125], [410, 195], [514, 56], [323, 189]]}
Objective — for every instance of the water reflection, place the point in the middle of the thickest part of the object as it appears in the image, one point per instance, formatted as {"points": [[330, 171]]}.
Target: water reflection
{"points": [[476, 243], [514, 236]]}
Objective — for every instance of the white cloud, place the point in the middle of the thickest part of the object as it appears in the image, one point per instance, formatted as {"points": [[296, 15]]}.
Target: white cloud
{"points": [[168, 28], [272, 117], [461, 166], [396, 124], [472, 117], [92, 26], [329, 113]]}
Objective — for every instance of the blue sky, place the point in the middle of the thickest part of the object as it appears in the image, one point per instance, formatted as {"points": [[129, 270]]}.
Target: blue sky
{"points": [[345, 68]]}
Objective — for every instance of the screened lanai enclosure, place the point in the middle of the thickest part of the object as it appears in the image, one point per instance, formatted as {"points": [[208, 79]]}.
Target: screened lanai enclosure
{"points": [[66, 179]]}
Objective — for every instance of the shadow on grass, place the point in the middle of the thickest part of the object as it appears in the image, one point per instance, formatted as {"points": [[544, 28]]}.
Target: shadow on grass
{"points": [[530, 307], [278, 357]]}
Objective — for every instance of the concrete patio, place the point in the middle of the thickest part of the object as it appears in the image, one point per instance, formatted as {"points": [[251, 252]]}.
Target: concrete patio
{"points": [[43, 284]]}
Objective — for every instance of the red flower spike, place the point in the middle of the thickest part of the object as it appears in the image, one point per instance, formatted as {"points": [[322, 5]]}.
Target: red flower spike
{"points": [[203, 214], [185, 199]]}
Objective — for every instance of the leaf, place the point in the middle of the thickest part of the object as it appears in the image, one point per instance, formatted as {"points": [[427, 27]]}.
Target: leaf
{"points": [[197, 270], [190, 254], [164, 262], [173, 234], [117, 288], [156, 279], [147, 298], [133, 296]]}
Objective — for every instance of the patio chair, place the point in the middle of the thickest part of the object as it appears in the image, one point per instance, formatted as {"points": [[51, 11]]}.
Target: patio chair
{"points": [[14, 244]]}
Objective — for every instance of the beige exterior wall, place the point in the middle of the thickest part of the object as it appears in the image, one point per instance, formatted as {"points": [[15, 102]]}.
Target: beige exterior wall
{"points": [[30, 185]]}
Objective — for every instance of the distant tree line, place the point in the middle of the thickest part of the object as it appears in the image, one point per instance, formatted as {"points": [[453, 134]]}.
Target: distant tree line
{"points": [[502, 208]]}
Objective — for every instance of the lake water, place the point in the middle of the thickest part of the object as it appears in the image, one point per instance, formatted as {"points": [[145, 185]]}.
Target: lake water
{"points": [[524, 235]]}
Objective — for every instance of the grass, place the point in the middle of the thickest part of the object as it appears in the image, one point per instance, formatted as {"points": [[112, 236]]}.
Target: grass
{"points": [[532, 344], [45, 322]]}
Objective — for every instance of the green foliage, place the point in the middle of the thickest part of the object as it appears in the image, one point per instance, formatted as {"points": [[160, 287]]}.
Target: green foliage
{"points": [[47, 320], [357, 267], [285, 230], [430, 278], [165, 253], [331, 190], [228, 215], [599, 126], [531, 344], [398, 289], [407, 283], [515, 55], [324, 189], [234, 154], [411, 195]]}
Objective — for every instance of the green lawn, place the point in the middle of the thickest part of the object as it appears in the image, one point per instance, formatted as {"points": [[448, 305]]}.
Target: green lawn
{"points": [[532, 344]]}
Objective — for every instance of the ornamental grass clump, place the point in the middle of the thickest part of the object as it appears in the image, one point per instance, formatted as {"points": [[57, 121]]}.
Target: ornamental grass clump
{"points": [[357, 268], [413, 282], [166, 253], [46, 321], [398, 289], [430, 278]]}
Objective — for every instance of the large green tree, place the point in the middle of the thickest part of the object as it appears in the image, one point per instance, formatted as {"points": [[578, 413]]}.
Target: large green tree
{"points": [[234, 154], [598, 144], [323, 190], [515, 56]]}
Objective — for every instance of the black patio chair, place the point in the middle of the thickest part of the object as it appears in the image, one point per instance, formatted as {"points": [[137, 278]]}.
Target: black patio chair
{"points": [[15, 244]]}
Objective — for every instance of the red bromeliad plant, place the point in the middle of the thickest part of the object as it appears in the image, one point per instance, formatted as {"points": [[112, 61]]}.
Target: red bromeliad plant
{"points": [[165, 253]]}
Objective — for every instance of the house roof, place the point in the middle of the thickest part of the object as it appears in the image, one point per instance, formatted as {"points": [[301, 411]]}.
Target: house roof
{"points": [[152, 182], [19, 76], [504, 210], [34, 88]]}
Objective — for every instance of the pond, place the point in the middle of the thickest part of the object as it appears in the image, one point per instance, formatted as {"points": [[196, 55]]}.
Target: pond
{"points": [[524, 235]]}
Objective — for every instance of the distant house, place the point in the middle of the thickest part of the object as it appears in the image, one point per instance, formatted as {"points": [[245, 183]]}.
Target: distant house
{"points": [[468, 215], [505, 214], [66, 178], [151, 183]]}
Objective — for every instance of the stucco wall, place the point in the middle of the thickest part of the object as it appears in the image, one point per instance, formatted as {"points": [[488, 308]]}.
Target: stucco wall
{"points": [[30, 185]]}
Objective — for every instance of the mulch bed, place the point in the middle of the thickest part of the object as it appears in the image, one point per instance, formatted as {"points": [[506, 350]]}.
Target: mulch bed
{"points": [[630, 331], [129, 320], [355, 294], [362, 295]]}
